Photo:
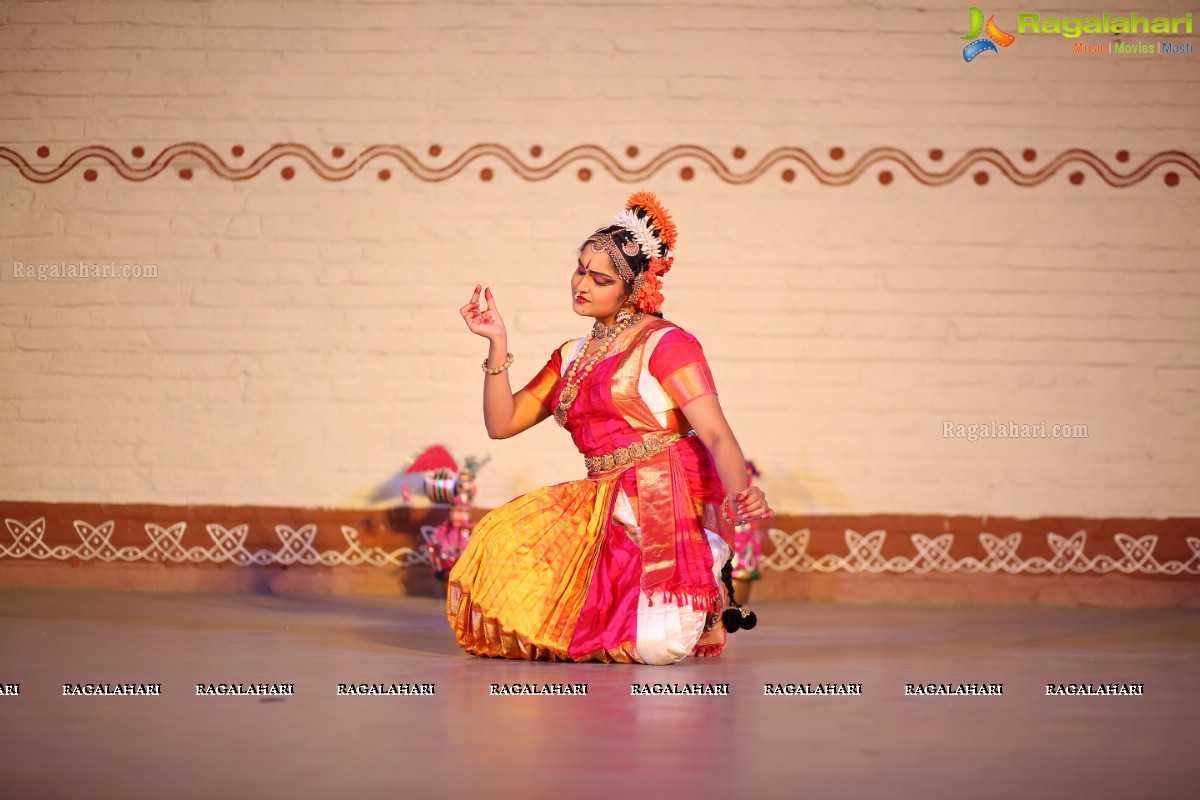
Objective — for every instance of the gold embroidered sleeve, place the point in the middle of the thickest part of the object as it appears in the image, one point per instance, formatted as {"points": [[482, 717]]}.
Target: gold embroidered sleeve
{"points": [[687, 383], [678, 364]]}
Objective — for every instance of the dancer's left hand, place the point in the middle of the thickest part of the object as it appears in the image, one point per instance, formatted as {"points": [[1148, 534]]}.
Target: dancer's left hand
{"points": [[750, 502]]}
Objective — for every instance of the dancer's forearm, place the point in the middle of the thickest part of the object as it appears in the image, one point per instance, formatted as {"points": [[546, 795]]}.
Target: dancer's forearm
{"points": [[730, 462], [497, 392]]}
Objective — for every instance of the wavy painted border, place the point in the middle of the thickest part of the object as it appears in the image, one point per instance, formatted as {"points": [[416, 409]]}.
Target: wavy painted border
{"points": [[781, 163]]}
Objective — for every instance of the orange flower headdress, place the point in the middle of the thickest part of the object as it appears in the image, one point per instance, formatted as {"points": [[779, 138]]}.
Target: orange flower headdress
{"points": [[650, 226]]}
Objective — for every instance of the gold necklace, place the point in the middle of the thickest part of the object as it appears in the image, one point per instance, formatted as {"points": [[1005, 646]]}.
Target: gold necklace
{"points": [[571, 390], [602, 332]]}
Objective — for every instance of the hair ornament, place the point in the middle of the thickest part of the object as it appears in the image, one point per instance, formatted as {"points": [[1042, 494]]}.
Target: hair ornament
{"points": [[657, 215], [650, 235], [641, 231], [660, 266], [649, 298]]}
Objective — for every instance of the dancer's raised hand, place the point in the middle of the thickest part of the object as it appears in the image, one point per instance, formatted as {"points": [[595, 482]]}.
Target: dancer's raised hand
{"points": [[485, 322]]}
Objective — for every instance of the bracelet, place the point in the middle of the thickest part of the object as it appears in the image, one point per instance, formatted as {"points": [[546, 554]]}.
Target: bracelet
{"points": [[729, 517], [735, 523], [507, 363]]}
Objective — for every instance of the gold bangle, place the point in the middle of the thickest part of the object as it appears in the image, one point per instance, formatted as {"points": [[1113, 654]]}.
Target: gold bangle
{"points": [[507, 363], [729, 517], [738, 523]]}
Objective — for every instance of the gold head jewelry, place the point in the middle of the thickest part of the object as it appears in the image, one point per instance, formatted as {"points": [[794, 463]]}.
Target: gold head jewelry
{"points": [[605, 243]]}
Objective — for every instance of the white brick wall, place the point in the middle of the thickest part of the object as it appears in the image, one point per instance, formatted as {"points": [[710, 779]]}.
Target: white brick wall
{"points": [[302, 338]]}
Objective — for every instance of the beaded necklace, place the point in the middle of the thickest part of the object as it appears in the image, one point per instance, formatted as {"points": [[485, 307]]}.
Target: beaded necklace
{"points": [[571, 390]]}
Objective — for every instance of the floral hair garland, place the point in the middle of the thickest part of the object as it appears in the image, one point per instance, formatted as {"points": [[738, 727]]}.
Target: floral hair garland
{"points": [[655, 236]]}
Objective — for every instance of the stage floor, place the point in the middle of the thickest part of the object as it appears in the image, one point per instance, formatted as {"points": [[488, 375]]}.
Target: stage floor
{"points": [[464, 741]]}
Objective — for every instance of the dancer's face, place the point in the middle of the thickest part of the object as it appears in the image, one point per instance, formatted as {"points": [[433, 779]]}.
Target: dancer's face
{"points": [[596, 289]]}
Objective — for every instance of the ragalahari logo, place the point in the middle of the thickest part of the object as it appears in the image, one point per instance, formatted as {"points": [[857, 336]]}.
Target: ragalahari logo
{"points": [[994, 37]]}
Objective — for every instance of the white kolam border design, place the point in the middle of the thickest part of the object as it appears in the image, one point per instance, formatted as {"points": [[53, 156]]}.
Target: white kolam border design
{"points": [[864, 551], [933, 555], [228, 546]]}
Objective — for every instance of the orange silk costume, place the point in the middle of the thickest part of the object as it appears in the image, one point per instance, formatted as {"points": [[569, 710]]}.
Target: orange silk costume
{"points": [[620, 566]]}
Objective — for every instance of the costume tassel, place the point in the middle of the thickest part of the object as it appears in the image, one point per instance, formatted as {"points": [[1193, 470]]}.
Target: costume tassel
{"points": [[734, 618]]}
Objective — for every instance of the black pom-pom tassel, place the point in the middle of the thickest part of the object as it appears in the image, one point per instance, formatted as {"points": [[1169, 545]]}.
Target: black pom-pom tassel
{"points": [[735, 618]]}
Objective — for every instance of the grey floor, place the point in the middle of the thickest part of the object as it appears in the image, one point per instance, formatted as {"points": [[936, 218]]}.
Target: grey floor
{"points": [[462, 742]]}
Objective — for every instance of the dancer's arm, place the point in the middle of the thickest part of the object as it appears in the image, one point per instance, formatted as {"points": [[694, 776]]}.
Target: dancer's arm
{"points": [[678, 364], [504, 414], [708, 420]]}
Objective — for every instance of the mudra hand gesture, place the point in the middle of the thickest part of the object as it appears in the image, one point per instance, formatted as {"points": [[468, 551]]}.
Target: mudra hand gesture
{"points": [[484, 322], [748, 505]]}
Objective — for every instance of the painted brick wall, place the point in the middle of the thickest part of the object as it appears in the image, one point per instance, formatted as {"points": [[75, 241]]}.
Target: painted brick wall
{"points": [[302, 336]]}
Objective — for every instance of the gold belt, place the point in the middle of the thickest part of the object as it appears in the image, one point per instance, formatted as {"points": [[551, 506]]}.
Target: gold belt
{"points": [[631, 453]]}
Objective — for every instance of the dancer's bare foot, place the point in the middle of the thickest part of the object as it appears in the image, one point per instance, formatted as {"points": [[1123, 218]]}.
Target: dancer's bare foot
{"points": [[712, 642]]}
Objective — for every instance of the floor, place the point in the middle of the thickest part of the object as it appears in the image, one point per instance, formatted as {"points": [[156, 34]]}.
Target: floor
{"points": [[464, 742]]}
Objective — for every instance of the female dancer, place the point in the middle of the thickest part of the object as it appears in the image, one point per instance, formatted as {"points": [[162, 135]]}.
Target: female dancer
{"points": [[626, 564]]}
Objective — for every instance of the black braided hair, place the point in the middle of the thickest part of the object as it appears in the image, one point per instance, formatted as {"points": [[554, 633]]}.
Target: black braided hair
{"points": [[735, 618]]}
